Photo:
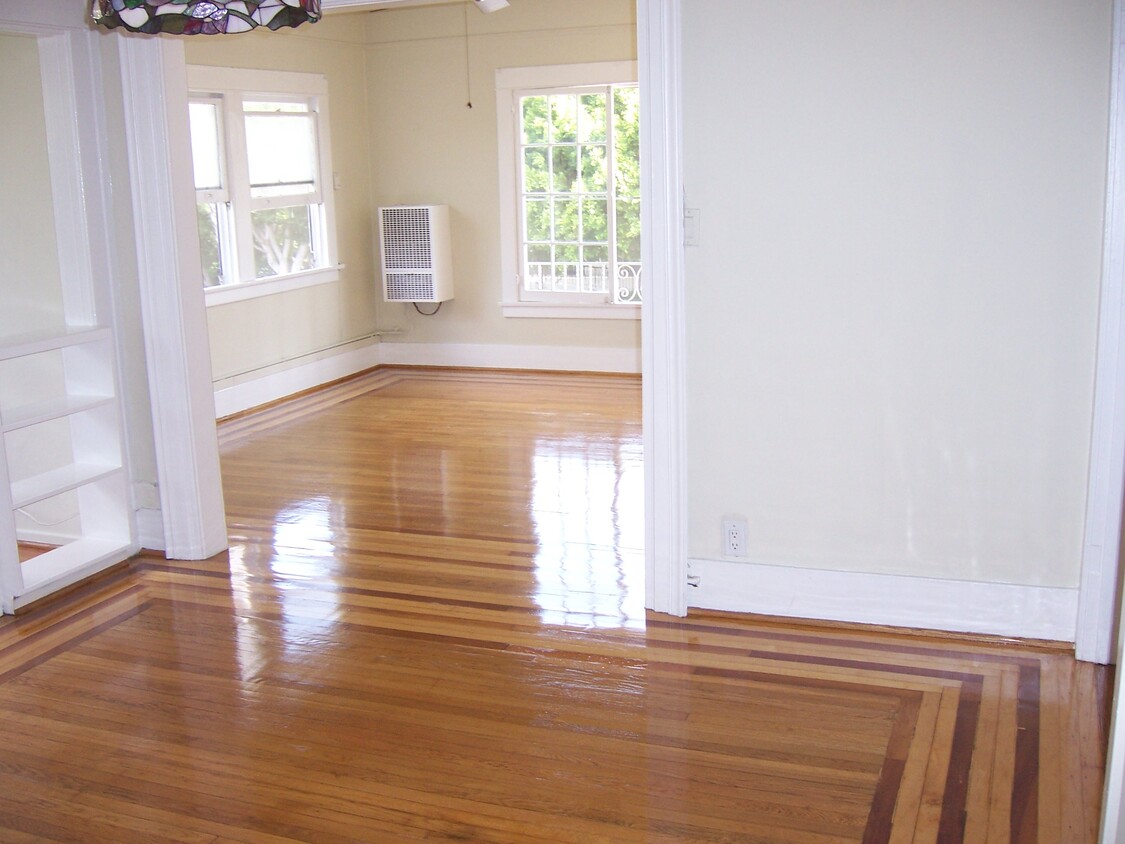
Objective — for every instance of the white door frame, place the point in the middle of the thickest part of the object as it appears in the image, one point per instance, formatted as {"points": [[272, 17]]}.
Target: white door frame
{"points": [[174, 319], [663, 331], [1096, 635]]}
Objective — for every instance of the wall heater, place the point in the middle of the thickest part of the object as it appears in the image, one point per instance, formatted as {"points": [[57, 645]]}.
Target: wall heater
{"points": [[415, 253]]}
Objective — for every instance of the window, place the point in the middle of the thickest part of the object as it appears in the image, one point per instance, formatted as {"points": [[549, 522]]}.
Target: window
{"points": [[570, 190], [261, 154]]}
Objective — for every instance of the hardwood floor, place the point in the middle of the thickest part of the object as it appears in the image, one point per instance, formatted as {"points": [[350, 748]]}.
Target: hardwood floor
{"points": [[430, 626]]}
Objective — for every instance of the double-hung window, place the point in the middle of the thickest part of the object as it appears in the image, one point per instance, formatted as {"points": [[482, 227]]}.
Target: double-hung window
{"points": [[261, 156], [569, 139]]}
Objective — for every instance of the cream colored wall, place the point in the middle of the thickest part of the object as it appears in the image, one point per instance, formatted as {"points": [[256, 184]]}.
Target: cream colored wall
{"points": [[892, 311], [428, 147], [29, 263], [258, 336]]}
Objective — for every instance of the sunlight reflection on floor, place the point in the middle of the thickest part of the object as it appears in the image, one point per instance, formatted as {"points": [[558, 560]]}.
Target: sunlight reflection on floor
{"points": [[588, 512]]}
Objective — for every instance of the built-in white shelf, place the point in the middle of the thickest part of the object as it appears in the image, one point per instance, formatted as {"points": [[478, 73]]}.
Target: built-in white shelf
{"points": [[66, 565], [36, 342], [61, 436], [58, 481], [56, 408], [64, 474]]}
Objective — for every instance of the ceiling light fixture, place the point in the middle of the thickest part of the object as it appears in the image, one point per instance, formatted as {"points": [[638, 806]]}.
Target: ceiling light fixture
{"points": [[489, 6], [203, 17]]}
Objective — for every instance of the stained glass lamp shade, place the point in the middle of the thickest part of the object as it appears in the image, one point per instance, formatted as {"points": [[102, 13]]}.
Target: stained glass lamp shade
{"points": [[203, 17]]}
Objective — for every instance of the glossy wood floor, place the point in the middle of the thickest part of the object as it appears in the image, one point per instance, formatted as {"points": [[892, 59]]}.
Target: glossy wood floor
{"points": [[430, 626]]}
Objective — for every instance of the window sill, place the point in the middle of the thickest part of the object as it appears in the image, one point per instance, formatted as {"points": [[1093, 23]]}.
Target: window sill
{"points": [[553, 310], [224, 294]]}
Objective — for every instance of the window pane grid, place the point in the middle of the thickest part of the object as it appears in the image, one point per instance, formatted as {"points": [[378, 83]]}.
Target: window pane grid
{"points": [[570, 143], [271, 220]]}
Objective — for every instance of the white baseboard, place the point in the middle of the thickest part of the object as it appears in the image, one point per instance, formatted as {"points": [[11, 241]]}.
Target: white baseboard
{"points": [[558, 358], [150, 529], [278, 385], [1030, 612]]}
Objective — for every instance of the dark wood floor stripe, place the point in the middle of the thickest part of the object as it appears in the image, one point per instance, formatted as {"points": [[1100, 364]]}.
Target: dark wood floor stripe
{"points": [[40, 658], [759, 629], [1025, 791], [26, 631], [953, 815], [879, 819]]}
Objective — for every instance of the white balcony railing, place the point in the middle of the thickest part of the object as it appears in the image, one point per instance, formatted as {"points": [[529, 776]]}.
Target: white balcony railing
{"points": [[620, 283]]}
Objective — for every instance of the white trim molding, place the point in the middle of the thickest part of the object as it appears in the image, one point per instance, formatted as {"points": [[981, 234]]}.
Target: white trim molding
{"points": [[150, 529], [243, 290], [511, 84], [277, 385], [664, 330], [236, 398], [154, 83], [1098, 605], [958, 606], [551, 358]]}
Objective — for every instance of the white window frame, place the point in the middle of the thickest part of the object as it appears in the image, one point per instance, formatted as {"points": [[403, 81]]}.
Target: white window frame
{"points": [[233, 86], [511, 84]]}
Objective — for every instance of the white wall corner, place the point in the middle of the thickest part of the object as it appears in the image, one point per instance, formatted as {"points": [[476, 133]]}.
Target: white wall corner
{"points": [[278, 385], [998, 609], [150, 529], [551, 358]]}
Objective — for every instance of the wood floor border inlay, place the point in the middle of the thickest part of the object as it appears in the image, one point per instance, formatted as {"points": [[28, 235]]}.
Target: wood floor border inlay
{"points": [[429, 627]]}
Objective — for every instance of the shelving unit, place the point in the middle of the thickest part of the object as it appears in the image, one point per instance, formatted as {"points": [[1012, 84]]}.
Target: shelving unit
{"points": [[66, 509], [63, 481]]}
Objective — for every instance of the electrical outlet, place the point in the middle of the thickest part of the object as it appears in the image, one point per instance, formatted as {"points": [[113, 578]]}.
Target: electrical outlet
{"points": [[734, 537]]}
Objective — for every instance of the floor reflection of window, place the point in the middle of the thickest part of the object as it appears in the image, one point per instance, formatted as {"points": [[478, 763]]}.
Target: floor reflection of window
{"points": [[270, 582], [305, 527], [588, 510], [250, 643]]}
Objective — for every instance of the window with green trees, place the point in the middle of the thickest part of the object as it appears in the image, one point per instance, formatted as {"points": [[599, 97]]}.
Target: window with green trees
{"points": [[581, 199], [572, 236], [258, 162]]}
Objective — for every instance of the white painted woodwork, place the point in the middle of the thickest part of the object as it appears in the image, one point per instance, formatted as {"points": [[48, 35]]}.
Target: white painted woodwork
{"points": [[1097, 613], [61, 425], [1099, 602], [959, 606], [154, 77], [663, 334]]}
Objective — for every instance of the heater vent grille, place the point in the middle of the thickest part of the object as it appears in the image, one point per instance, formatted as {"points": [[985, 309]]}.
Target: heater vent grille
{"points": [[410, 287], [406, 239], [415, 253]]}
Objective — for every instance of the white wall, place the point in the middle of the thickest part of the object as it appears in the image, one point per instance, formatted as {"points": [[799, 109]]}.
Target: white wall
{"points": [[892, 311], [428, 147]]}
